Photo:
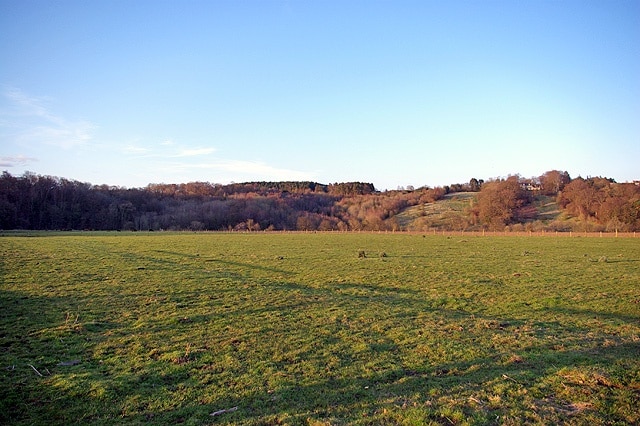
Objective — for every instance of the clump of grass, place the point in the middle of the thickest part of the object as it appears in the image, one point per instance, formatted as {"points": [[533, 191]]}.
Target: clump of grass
{"points": [[186, 357]]}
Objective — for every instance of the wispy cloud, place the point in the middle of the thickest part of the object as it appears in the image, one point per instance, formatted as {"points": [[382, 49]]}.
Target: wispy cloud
{"points": [[239, 170], [195, 152], [173, 161], [33, 122], [18, 160], [165, 150], [135, 150]]}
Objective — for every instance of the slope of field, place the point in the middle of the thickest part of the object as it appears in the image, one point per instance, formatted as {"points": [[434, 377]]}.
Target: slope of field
{"points": [[452, 213], [449, 213], [548, 209], [257, 329]]}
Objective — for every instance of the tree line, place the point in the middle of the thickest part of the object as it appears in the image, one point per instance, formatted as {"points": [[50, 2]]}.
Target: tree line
{"points": [[38, 202]]}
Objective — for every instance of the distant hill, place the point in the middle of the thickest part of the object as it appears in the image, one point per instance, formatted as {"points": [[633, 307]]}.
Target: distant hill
{"points": [[516, 204]]}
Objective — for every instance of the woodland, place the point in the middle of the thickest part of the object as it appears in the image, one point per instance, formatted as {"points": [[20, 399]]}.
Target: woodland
{"points": [[37, 202]]}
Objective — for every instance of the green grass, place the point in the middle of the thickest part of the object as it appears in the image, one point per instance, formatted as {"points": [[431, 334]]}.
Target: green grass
{"points": [[453, 213], [449, 213], [297, 329]]}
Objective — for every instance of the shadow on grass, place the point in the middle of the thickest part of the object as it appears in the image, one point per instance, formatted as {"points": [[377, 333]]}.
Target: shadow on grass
{"points": [[472, 387], [110, 388], [41, 342], [592, 313], [250, 266], [197, 264], [519, 387]]}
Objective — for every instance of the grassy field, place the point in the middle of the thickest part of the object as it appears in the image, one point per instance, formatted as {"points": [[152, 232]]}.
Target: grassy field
{"points": [[452, 213], [299, 329], [448, 213]]}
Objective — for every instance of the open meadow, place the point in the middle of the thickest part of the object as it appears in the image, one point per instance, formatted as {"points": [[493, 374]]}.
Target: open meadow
{"points": [[278, 328]]}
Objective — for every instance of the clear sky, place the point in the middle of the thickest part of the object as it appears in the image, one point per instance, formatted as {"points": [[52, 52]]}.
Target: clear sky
{"points": [[395, 93]]}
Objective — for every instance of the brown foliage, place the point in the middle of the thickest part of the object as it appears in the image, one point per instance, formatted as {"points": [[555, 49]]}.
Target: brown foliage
{"points": [[553, 181], [581, 198], [499, 200], [615, 206]]}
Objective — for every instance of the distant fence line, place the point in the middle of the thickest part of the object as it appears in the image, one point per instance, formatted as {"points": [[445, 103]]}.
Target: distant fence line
{"points": [[564, 234], [560, 234], [567, 234], [537, 234]]}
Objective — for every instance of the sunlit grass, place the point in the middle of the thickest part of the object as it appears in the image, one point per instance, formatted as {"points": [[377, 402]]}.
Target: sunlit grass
{"points": [[298, 329]]}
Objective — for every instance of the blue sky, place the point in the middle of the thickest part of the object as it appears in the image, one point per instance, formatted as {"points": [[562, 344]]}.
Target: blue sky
{"points": [[395, 93]]}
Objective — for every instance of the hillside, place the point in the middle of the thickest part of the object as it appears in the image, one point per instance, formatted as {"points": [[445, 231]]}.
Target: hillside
{"points": [[452, 213], [447, 213], [515, 204]]}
